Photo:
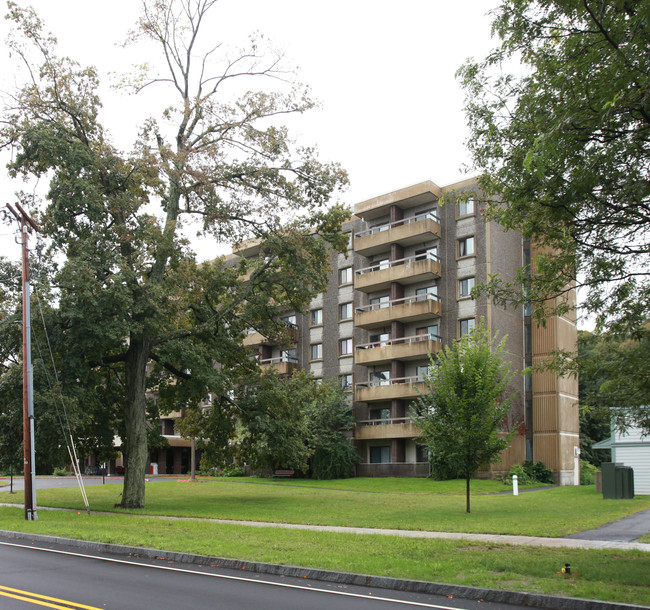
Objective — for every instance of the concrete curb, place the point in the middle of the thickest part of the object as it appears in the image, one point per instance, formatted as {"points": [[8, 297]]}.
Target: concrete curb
{"points": [[532, 600]]}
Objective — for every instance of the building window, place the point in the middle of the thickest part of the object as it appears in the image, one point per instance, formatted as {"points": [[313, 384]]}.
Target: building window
{"points": [[380, 455], [379, 264], [349, 240], [316, 351], [431, 252], [380, 302], [316, 318], [379, 340], [465, 287], [467, 326], [345, 275], [426, 331], [345, 311], [290, 320], [421, 293], [380, 377], [346, 382], [466, 208], [381, 414], [466, 247], [289, 355], [345, 347]]}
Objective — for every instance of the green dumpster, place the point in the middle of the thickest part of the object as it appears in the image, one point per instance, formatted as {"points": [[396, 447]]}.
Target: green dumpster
{"points": [[618, 481]]}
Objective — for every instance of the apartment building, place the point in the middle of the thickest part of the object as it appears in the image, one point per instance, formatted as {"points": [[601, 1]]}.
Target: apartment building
{"points": [[401, 292]]}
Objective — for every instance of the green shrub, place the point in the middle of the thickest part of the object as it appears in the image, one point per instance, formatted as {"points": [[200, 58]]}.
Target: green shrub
{"points": [[538, 471], [587, 473], [529, 472], [523, 477], [61, 472], [233, 471]]}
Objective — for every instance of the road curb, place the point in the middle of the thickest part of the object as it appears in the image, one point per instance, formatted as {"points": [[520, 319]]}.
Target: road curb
{"points": [[532, 600]]}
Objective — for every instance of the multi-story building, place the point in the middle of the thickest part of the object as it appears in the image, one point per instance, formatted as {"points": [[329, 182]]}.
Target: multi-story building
{"points": [[401, 292]]}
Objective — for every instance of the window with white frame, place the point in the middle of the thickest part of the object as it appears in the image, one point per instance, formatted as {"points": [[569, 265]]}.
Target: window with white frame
{"points": [[465, 287], [316, 352], [345, 347], [466, 246], [345, 311], [345, 275]]}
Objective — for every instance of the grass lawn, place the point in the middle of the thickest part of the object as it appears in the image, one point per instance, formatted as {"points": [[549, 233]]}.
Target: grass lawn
{"points": [[394, 504], [418, 504], [623, 577]]}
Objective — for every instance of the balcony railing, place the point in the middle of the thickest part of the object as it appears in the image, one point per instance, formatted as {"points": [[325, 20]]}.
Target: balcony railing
{"points": [[384, 422], [400, 341], [401, 261], [430, 214], [428, 296], [373, 383], [279, 360]]}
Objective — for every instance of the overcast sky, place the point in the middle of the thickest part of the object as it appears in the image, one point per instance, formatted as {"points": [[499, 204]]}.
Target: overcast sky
{"points": [[384, 72]]}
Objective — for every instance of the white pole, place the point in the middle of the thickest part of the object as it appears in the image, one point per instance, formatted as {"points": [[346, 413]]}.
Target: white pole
{"points": [[515, 485]]}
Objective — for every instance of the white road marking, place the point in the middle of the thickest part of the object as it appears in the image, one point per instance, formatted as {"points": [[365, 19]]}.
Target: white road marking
{"points": [[237, 578]]}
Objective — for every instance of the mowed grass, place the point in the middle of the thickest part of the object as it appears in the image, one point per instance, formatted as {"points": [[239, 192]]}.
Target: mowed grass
{"points": [[622, 577], [403, 504]]}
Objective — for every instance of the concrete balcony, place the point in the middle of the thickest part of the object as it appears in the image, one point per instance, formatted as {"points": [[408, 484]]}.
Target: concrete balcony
{"points": [[373, 429], [390, 389], [409, 309], [283, 365], [410, 270], [255, 338], [415, 347], [406, 232]]}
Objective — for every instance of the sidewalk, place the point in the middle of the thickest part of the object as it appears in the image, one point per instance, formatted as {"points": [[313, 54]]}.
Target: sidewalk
{"points": [[569, 542]]}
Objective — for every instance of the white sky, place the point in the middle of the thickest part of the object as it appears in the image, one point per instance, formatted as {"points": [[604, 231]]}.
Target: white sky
{"points": [[391, 108]]}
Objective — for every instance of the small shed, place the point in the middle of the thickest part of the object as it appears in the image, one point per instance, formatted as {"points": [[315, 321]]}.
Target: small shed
{"points": [[631, 448]]}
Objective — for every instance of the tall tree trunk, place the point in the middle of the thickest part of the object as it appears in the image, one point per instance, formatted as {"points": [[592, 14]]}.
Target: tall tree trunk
{"points": [[468, 475], [134, 446]]}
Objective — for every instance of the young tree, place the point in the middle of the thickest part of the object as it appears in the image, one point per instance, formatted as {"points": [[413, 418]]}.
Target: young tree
{"points": [[564, 145], [133, 301], [462, 416]]}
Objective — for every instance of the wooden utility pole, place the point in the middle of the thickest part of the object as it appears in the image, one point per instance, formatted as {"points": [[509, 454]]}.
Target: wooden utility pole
{"points": [[26, 226]]}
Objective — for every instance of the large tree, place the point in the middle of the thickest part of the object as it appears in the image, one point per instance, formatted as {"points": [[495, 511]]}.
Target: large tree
{"points": [[614, 384], [462, 417], [559, 119], [297, 423], [132, 299]]}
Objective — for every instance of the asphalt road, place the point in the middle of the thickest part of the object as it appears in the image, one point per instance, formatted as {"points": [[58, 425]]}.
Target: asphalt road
{"points": [[65, 577], [69, 481]]}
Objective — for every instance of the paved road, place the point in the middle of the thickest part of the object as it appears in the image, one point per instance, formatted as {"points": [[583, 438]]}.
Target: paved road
{"points": [[30, 572], [70, 481], [624, 530]]}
